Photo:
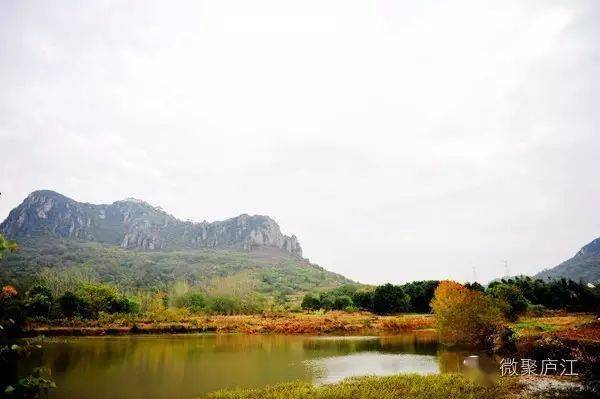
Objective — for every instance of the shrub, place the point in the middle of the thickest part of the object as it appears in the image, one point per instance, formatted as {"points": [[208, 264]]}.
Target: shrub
{"points": [[191, 300], [342, 302], [71, 305], [363, 300], [389, 299], [512, 302], [464, 316], [103, 298], [39, 301], [223, 305], [311, 302], [536, 310], [421, 294], [327, 301]]}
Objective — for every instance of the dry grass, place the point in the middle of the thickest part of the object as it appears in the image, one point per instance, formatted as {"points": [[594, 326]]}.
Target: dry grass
{"points": [[292, 323], [532, 326]]}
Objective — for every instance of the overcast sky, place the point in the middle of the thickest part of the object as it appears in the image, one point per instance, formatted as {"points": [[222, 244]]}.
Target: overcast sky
{"points": [[399, 140]]}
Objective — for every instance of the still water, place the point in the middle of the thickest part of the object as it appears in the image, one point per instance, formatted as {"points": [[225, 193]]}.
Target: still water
{"points": [[185, 366]]}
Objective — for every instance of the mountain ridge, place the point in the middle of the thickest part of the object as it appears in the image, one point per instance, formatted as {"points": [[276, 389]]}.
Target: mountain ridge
{"points": [[135, 245], [583, 266], [135, 224]]}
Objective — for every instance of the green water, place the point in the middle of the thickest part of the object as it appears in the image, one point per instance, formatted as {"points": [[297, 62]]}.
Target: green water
{"points": [[185, 366]]}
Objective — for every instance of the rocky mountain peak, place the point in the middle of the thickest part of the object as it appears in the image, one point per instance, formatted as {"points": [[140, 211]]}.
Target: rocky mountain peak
{"points": [[135, 224]]}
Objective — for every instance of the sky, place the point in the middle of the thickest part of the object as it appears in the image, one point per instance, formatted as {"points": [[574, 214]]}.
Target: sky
{"points": [[399, 140]]}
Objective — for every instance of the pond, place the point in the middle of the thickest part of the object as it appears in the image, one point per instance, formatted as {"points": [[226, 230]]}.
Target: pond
{"points": [[176, 366]]}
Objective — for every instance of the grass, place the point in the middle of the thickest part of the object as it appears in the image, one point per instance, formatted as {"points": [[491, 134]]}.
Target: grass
{"points": [[440, 386], [531, 326], [289, 323]]}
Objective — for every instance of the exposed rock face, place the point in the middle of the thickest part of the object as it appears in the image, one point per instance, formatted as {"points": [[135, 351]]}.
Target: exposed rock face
{"points": [[584, 266], [135, 224]]}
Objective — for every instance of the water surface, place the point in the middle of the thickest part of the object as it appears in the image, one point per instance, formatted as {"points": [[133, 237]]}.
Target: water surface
{"points": [[185, 366]]}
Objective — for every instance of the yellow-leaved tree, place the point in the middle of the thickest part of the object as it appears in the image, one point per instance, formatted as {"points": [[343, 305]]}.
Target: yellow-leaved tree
{"points": [[464, 316]]}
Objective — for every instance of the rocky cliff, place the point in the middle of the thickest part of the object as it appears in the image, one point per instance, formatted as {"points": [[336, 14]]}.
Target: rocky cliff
{"points": [[584, 266], [135, 224]]}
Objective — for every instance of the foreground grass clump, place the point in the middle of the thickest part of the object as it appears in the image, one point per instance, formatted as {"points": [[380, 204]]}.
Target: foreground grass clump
{"points": [[444, 386]]}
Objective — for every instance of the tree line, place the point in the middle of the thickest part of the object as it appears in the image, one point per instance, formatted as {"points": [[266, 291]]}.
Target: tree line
{"points": [[513, 296]]}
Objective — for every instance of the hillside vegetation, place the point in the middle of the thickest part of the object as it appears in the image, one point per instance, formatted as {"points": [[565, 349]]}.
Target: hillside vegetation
{"points": [[265, 270]]}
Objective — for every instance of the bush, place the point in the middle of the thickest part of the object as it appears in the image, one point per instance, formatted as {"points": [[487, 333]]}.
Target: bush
{"points": [[327, 301], [389, 299], [421, 294], [342, 302], [311, 302], [103, 298], [39, 301], [512, 302], [536, 310], [73, 306], [223, 305], [464, 316], [363, 300], [191, 300]]}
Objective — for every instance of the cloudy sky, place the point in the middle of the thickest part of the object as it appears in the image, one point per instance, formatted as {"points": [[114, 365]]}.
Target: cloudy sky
{"points": [[399, 140]]}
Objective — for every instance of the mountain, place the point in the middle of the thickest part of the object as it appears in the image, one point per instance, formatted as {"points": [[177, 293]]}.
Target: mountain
{"points": [[135, 224], [134, 244], [584, 266]]}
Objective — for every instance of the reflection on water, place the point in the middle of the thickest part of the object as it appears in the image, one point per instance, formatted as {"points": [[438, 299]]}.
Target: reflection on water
{"points": [[189, 365], [334, 369]]}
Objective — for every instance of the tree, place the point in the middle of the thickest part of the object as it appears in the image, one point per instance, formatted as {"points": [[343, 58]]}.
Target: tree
{"points": [[475, 286], [71, 305], [6, 246], [39, 301], [342, 302], [100, 298], [327, 301], [421, 294], [464, 316], [194, 301], [363, 300], [389, 299], [512, 301], [311, 302]]}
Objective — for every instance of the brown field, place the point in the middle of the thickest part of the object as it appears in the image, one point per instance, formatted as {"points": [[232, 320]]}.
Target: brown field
{"points": [[292, 323]]}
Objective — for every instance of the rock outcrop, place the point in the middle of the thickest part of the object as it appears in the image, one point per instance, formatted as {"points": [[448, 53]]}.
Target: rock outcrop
{"points": [[135, 224], [584, 266]]}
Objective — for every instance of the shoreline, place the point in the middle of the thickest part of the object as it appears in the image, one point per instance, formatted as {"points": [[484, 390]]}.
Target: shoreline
{"points": [[289, 324]]}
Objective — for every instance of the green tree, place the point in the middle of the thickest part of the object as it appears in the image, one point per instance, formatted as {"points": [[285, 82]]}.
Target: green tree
{"points": [[311, 302], [421, 294], [363, 300], [6, 246], [342, 302], [71, 305], [512, 301], [390, 299], [39, 301], [100, 298]]}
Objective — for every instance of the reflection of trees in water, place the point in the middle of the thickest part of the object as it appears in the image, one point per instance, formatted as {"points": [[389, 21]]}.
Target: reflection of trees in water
{"points": [[450, 362], [420, 343], [176, 366]]}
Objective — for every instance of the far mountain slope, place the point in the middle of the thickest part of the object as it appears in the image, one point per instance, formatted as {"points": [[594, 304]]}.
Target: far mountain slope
{"points": [[135, 245], [584, 266]]}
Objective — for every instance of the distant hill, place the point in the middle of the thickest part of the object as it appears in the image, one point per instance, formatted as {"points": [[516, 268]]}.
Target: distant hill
{"points": [[135, 245], [584, 266]]}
